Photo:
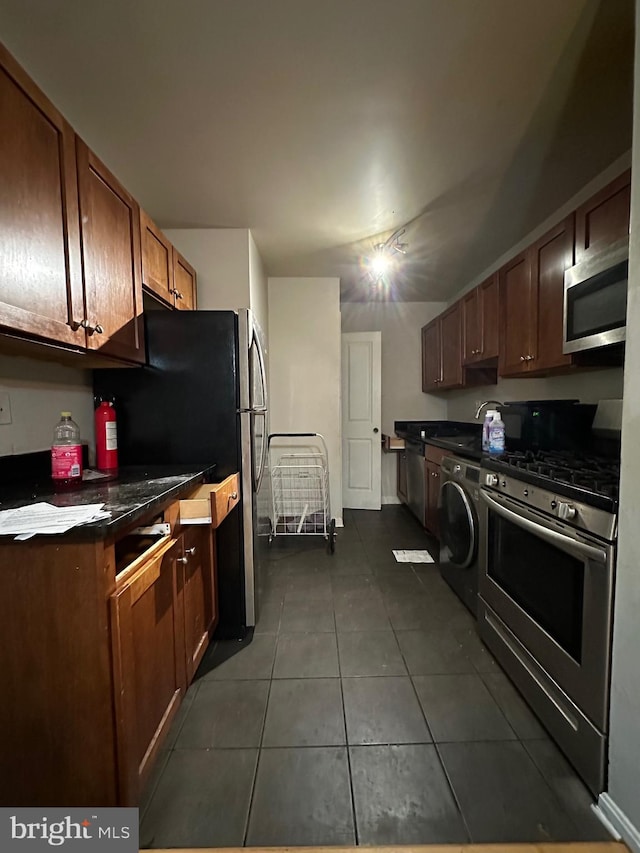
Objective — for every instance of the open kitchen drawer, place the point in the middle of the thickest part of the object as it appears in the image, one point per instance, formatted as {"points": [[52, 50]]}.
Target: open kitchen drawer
{"points": [[210, 503]]}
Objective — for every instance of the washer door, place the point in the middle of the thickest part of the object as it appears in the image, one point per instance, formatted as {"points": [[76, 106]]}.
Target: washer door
{"points": [[458, 525]]}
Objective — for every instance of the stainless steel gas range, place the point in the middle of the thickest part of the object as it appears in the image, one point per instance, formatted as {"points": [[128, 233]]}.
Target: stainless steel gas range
{"points": [[547, 560]]}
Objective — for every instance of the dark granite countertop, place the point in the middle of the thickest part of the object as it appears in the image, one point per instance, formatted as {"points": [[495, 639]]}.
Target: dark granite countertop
{"points": [[462, 439], [469, 447], [134, 493]]}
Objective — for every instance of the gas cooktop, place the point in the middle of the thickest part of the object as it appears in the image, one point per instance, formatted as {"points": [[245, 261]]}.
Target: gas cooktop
{"points": [[593, 480]]}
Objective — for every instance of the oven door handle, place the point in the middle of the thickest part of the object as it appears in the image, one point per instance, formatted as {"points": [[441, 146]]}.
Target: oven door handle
{"points": [[565, 543]]}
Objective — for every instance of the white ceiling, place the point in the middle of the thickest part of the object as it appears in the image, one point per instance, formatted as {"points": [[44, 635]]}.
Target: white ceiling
{"points": [[323, 124]]}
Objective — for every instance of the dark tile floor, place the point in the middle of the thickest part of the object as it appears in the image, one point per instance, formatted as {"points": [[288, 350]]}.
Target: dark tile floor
{"points": [[364, 710]]}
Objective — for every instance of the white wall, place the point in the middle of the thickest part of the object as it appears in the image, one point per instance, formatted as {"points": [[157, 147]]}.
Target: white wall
{"points": [[622, 803], [304, 361], [402, 396], [38, 392], [588, 387], [221, 259]]}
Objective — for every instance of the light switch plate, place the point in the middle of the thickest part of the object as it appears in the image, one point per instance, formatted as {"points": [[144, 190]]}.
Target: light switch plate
{"points": [[5, 408]]}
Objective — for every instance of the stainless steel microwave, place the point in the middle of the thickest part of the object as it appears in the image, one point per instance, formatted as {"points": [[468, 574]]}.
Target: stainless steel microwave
{"points": [[595, 300]]}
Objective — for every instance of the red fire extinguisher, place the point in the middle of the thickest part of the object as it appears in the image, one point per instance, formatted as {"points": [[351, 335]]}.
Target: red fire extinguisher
{"points": [[106, 438]]}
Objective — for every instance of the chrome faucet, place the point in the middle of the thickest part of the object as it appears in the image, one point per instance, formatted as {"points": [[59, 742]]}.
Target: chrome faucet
{"points": [[486, 403]]}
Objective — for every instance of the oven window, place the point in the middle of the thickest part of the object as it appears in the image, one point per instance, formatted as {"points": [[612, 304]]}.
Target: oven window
{"points": [[547, 583]]}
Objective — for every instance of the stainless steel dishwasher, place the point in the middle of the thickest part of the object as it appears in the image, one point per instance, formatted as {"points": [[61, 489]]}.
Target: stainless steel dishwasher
{"points": [[416, 492]]}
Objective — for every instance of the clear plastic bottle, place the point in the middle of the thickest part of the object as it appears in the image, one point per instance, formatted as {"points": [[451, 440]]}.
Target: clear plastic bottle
{"points": [[66, 453], [496, 435], [485, 428]]}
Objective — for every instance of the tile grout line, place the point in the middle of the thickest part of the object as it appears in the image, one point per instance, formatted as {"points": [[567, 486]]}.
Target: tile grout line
{"points": [[259, 755], [555, 797], [347, 745]]}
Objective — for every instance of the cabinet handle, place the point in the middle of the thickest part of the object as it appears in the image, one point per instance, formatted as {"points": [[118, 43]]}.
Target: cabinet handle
{"points": [[190, 550], [530, 358], [523, 358], [91, 329], [179, 295], [233, 496], [182, 560]]}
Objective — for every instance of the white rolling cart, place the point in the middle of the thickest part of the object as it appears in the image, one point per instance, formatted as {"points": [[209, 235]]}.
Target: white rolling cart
{"points": [[299, 469]]}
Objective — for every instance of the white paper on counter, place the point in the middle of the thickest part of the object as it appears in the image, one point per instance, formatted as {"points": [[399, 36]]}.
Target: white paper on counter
{"points": [[44, 518], [413, 557]]}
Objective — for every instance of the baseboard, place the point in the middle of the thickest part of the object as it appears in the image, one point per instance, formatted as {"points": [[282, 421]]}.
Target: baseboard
{"points": [[391, 499], [613, 817]]}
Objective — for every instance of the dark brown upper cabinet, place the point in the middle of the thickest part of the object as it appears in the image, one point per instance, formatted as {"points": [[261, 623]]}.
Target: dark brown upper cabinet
{"points": [[157, 260], [442, 351], [604, 218], [184, 277], [480, 323], [531, 304], [111, 260], [551, 255], [517, 314], [40, 271], [165, 272]]}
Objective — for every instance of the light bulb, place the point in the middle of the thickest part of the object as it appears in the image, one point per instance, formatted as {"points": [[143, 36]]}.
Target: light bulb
{"points": [[380, 264]]}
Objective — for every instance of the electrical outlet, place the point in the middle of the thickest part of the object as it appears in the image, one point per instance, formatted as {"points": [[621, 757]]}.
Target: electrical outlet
{"points": [[5, 408]]}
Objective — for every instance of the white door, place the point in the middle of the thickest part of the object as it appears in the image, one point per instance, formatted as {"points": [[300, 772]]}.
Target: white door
{"points": [[361, 416]]}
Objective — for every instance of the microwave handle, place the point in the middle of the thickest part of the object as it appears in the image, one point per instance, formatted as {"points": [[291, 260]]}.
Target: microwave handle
{"points": [[565, 543]]}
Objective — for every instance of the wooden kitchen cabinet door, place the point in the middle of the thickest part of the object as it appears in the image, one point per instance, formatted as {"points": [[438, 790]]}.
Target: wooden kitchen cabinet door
{"points": [[184, 277], [197, 593], [431, 358], [552, 254], [111, 259], [40, 271], [402, 476], [480, 322], [489, 313], [432, 484], [157, 260], [471, 327], [604, 218], [518, 316], [451, 348], [149, 666]]}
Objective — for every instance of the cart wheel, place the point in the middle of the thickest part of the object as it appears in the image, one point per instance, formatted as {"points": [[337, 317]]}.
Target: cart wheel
{"points": [[332, 536]]}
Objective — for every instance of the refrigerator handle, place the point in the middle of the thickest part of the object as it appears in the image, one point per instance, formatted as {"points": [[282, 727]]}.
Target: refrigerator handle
{"points": [[263, 372], [263, 460]]}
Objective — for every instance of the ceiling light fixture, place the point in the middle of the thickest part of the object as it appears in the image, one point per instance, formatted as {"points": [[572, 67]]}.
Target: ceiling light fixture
{"points": [[384, 256]]}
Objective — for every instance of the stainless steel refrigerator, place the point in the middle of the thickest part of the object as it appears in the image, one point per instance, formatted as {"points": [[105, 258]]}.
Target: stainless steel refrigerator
{"points": [[202, 398]]}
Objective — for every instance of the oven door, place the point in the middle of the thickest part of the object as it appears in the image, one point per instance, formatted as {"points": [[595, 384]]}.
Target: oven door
{"points": [[552, 587]]}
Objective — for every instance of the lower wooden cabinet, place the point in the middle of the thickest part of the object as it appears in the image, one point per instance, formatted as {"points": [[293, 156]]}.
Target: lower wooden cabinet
{"points": [[101, 640], [433, 458], [197, 590], [148, 643], [402, 476]]}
